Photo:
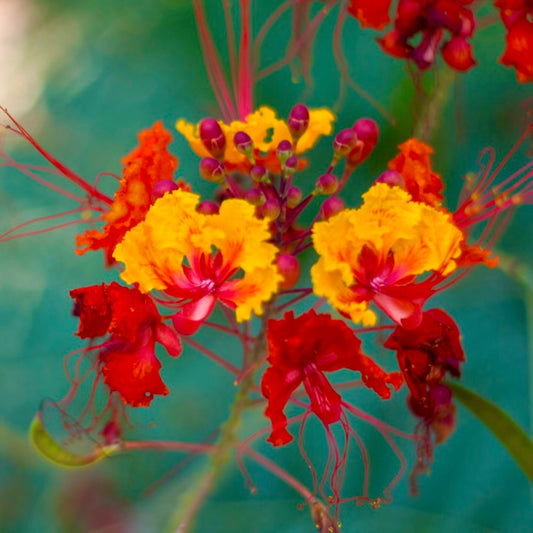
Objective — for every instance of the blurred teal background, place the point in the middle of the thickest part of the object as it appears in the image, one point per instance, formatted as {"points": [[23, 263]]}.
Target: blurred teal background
{"points": [[84, 78]]}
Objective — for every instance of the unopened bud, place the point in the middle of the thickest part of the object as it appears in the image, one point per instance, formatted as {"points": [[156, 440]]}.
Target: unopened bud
{"points": [[284, 151], [212, 169], [213, 137], [258, 173], [207, 208], [344, 142], [289, 268], [291, 164], [331, 207], [255, 197], [244, 143], [298, 120], [162, 187], [326, 184], [294, 195], [271, 209], [392, 178], [367, 136]]}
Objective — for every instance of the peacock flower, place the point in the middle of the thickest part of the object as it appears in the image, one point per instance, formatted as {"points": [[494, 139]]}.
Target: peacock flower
{"points": [[133, 325], [149, 164], [198, 259], [376, 254], [300, 351], [266, 132], [414, 164]]}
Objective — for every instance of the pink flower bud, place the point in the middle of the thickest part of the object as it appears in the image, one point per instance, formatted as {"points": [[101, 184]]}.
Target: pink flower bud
{"points": [[331, 207], [258, 173], [289, 268], [212, 169], [213, 137], [291, 164], [298, 120], [392, 178], [162, 187], [207, 208], [344, 142], [326, 184], [271, 209], [255, 197], [284, 151], [294, 196], [243, 143]]}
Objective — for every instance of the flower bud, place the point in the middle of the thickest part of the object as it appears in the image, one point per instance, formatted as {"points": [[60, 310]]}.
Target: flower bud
{"points": [[213, 137], [258, 173], [289, 268], [367, 136], [162, 187], [271, 209], [255, 197], [392, 178], [284, 151], [244, 143], [344, 142], [331, 207], [326, 184], [291, 164], [212, 169], [298, 121], [294, 196], [207, 208]]}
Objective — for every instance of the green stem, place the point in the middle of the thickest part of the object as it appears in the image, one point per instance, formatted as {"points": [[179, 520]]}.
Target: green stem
{"points": [[431, 109], [182, 521]]}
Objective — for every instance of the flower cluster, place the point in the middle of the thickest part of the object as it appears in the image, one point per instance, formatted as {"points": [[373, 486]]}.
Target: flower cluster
{"points": [[261, 258]]}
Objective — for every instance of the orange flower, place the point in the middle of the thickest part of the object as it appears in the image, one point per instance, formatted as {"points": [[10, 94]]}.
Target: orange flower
{"points": [[147, 165]]}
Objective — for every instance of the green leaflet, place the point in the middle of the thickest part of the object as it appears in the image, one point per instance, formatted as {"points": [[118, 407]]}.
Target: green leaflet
{"points": [[52, 451], [502, 426]]}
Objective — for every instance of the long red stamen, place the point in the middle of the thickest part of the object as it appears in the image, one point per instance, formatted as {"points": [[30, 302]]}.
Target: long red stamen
{"points": [[244, 93]]}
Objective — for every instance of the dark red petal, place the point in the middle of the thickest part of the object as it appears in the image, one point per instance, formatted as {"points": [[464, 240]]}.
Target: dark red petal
{"points": [[166, 336], [92, 307]]}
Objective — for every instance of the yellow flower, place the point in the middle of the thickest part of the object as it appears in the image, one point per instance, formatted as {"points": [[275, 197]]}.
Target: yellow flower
{"points": [[265, 130], [199, 259], [376, 252]]}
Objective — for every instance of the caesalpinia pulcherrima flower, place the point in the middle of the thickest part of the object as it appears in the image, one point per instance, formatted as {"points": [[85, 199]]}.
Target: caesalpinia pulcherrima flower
{"points": [[133, 325], [517, 18], [172, 251], [300, 350]]}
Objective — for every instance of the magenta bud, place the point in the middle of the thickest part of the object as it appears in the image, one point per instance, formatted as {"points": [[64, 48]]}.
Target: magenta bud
{"points": [[392, 178], [298, 120], [291, 164], [207, 208], [213, 137], [331, 207], [344, 142], [212, 169], [271, 209], [243, 143], [162, 187], [294, 196], [258, 173], [254, 196], [366, 130], [284, 151], [289, 268], [326, 184]]}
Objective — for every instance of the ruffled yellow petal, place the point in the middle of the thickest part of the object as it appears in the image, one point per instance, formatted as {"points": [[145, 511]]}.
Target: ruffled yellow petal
{"points": [[419, 237]]}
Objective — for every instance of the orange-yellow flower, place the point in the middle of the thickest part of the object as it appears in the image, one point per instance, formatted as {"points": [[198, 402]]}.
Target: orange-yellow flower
{"points": [[266, 132], [198, 259], [375, 253]]}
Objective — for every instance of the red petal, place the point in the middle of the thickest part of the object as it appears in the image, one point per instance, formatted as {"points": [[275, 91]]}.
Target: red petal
{"points": [[92, 307]]}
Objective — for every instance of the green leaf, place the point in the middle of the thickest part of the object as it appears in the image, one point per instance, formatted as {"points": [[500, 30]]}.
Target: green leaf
{"points": [[52, 451], [501, 424]]}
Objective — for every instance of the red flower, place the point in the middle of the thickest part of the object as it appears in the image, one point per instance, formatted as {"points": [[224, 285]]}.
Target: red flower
{"points": [[425, 355], [131, 319], [373, 13], [300, 351]]}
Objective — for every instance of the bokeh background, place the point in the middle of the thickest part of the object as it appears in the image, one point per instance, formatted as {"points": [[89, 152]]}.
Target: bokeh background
{"points": [[84, 77]]}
